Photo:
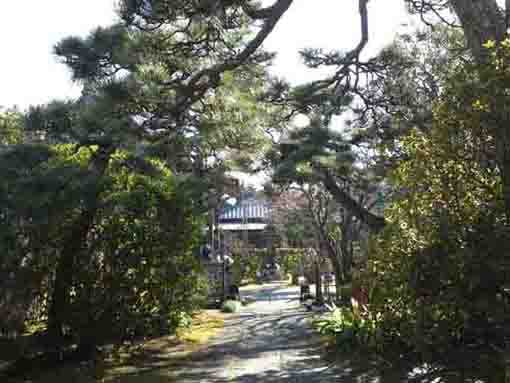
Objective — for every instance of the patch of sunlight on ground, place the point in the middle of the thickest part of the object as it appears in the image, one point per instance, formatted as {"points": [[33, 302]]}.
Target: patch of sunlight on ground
{"points": [[35, 327], [154, 360], [151, 361], [205, 325]]}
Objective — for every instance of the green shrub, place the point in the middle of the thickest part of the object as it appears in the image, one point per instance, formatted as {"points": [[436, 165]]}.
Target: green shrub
{"points": [[137, 283], [231, 307], [348, 328], [136, 273], [438, 271]]}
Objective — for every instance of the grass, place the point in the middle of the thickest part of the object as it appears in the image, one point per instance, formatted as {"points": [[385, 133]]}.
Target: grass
{"points": [[151, 361]]}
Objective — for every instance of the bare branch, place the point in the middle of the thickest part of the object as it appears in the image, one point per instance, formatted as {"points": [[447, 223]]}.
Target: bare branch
{"points": [[261, 13]]}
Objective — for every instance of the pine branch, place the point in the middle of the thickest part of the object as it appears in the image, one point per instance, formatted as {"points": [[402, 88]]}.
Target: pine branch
{"points": [[373, 221], [199, 83]]}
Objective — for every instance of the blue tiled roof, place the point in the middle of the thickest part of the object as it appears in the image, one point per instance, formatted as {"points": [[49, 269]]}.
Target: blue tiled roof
{"points": [[246, 210]]}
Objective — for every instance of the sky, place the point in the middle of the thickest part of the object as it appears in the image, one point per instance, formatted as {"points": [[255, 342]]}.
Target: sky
{"points": [[331, 25], [30, 74]]}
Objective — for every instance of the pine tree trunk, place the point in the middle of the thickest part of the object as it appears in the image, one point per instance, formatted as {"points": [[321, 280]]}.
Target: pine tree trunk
{"points": [[341, 196], [481, 20], [65, 272]]}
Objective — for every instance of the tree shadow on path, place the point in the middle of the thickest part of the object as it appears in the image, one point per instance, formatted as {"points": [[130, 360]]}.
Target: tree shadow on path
{"points": [[269, 341]]}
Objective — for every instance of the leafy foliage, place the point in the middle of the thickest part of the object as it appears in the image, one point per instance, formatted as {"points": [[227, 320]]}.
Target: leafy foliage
{"points": [[136, 272], [349, 328], [439, 276], [11, 126]]}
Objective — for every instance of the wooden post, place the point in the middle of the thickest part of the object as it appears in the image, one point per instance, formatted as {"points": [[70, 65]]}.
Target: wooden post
{"points": [[318, 283]]}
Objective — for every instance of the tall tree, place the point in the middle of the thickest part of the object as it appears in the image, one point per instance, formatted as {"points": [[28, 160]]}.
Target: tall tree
{"points": [[318, 153], [152, 87], [337, 229], [194, 43]]}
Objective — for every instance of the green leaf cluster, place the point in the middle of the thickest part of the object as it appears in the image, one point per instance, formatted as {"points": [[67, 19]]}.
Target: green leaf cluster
{"points": [[438, 272], [11, 127], [348, 328]]}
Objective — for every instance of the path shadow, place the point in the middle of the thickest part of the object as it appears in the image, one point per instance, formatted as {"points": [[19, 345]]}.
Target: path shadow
{"points": [[253, 340]]}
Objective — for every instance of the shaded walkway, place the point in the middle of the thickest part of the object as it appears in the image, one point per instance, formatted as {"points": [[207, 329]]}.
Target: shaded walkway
{"points": [[269, 341]]}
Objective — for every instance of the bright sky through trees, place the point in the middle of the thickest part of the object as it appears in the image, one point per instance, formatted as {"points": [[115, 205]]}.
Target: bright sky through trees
{"points": [[330, 24], [30, 74]]}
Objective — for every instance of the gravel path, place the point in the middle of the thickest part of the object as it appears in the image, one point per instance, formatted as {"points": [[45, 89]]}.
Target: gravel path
{"points": [[269, 341]]}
